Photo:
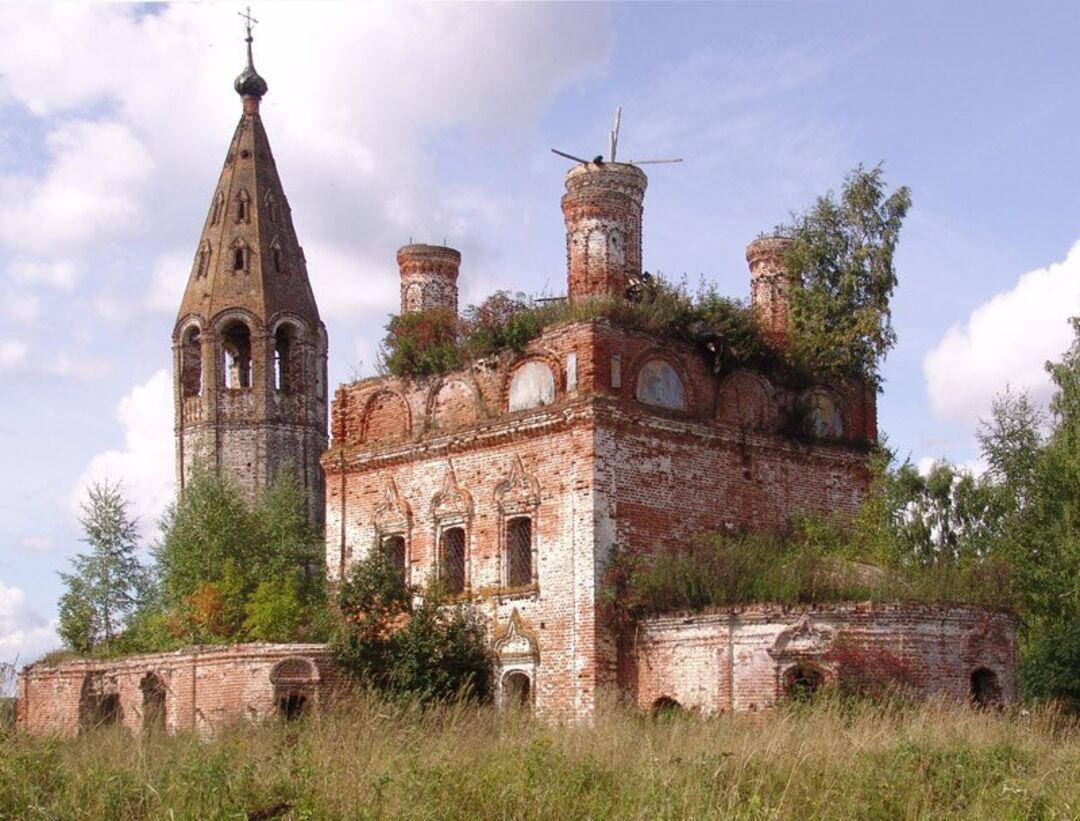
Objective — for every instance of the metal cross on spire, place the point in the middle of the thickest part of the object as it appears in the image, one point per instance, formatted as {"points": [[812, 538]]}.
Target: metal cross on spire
{"points": [[613, 145], [248, 21]]}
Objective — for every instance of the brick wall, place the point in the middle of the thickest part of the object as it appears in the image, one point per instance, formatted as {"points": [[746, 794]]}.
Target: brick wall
{"points": [[592, 465], [204, 688], [736, 658]]}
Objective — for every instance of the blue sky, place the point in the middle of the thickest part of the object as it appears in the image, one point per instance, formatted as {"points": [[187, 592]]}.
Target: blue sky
{"points": [[392, 122]]}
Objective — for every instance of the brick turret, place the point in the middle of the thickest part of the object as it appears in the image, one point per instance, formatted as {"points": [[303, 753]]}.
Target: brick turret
{"points": [[428, 277], [770, 286], [602, 207]]}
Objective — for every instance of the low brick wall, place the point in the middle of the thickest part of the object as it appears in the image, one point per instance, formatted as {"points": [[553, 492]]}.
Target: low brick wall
{"points": [[748, 657], [200, 689]]}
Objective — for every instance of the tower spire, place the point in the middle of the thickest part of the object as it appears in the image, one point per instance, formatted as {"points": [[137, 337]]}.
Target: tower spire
{"points": [[249, 85]]}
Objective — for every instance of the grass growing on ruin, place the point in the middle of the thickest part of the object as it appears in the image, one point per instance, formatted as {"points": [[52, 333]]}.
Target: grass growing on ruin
{"points": [[372, 759]]}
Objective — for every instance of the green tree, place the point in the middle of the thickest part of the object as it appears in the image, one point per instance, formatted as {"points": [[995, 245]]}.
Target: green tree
{"points": [[841, 262], [389, 640], [107, 584]]}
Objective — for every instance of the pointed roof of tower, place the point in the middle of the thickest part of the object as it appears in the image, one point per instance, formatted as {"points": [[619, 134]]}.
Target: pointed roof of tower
{"points": [[248, 256]]}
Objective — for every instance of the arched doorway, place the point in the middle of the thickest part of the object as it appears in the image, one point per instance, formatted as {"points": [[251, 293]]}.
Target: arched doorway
{"points": [[666, 707], [153, 703], [985, 688], [517, 690], [296, 683], [801, 682], [99, 703]]}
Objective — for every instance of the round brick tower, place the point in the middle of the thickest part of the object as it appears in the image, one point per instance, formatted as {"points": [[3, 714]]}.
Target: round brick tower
{"points": [[428, 277], [602, 208], [770, 286]]}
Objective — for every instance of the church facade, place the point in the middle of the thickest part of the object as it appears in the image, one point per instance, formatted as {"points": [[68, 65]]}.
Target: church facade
{"points": [[512, 480]]}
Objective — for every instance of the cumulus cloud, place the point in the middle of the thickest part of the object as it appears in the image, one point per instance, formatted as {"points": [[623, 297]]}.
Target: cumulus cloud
{"points": [[1005, 341], [24, 633], [145, 463], [88, 193]]}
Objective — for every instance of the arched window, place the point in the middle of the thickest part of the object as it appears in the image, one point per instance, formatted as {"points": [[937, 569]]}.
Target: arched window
{"points": [[517, 690], [191, 362], [519, 551], [286, 359], [278, 257], [99, 703], [666, 707], [271, 206], [236, 345], [394, 550], [240, 257], [295, 682], [153, 706], [204, 260], [658, 384], [215, 213], [452, 559], [801, 682], [985, 688], [243, 207]]}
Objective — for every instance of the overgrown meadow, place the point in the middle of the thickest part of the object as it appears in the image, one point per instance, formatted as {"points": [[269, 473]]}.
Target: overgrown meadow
{"points": [[370, 758]]}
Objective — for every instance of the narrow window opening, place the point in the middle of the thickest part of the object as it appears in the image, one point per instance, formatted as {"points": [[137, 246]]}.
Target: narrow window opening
{"points": [[236, 342], [204, 259], [243, 211], [191, 362], [278, 266], [394, 550], [286, 364], [238, 259], [452, 560], [519, 551], [215, 214]]}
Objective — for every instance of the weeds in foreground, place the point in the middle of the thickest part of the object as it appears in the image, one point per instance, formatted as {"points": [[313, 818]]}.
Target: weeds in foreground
{"points": [[369, 758]]}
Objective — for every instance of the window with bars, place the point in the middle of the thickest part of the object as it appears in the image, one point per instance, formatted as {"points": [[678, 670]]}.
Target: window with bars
{"points": [[394, 550], [519, 551], [452, 559]]}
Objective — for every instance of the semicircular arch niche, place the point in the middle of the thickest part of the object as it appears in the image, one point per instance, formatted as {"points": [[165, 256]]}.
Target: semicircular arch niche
{"points": [[517, 651], [659, 385], [453, 405], [531, 386], [386, 418], [745, 401], [822, 415]]}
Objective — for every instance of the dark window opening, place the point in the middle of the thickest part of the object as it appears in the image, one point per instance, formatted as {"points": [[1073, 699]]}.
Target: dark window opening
{"points": [[191, 362], [153, 710], [236, 341], [517, 690], [801, 682], [286, 364], [238, 259], [215, 215], [278, 265], [292, 706], [452, 560], [97, 707], [394, 550], [519, 551], [985, 688], [242, 210]]}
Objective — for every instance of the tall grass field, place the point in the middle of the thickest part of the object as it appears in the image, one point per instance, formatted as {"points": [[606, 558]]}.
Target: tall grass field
{"points": [[367, 758]]}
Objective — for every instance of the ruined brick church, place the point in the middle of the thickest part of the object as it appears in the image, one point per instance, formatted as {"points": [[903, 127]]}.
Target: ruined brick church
{"points": [[512, 479]]}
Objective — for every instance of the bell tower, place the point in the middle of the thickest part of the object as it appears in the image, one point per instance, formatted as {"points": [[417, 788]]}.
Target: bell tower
{"points": [[249, 348]]}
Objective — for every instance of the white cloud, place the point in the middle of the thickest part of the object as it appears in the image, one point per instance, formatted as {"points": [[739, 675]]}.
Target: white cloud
{"points": [[59, 274], [1005, 342], [24, 633], [170, 273], [145, 463], [35, 544], [88, 193], [12, 354]]}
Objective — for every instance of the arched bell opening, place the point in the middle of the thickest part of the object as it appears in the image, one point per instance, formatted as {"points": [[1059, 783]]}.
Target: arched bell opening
{"points": [[191, 369], [236, 348]]}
